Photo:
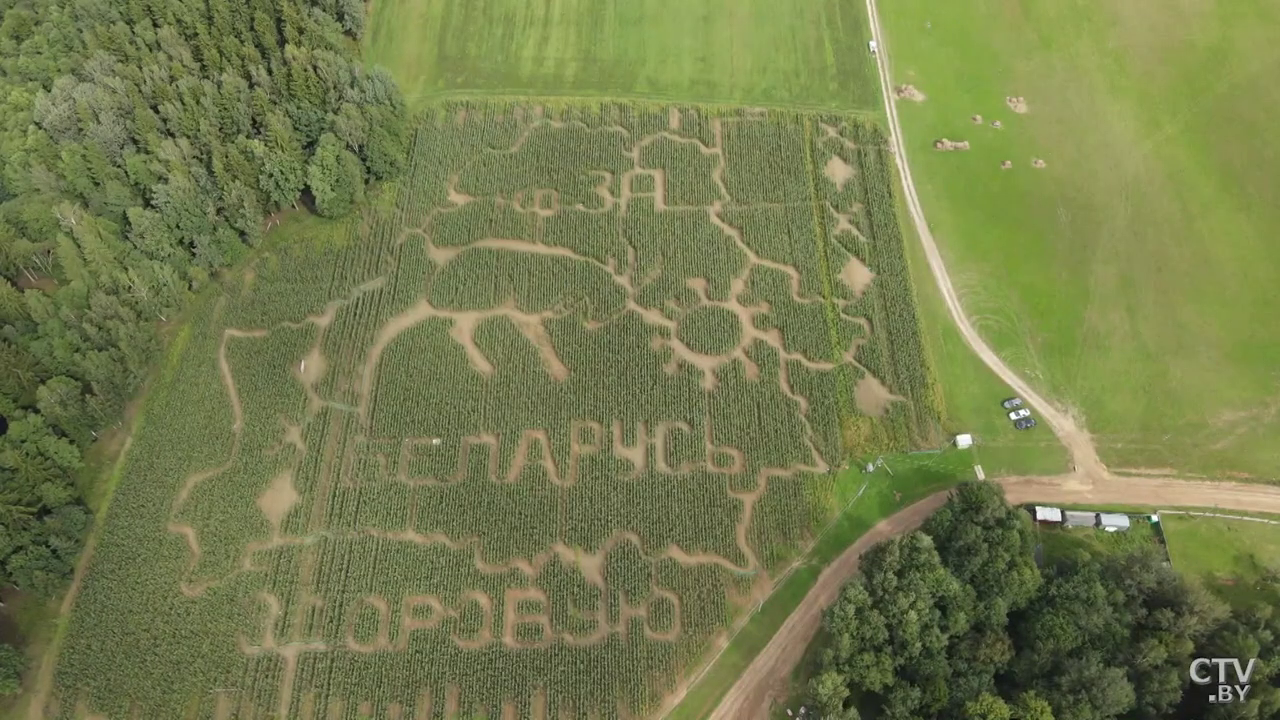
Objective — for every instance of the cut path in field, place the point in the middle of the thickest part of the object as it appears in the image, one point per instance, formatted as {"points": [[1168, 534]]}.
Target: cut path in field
{"points": [[750, 696]]}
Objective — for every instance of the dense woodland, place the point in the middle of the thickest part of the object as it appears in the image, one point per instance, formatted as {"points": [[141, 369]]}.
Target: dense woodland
{"points": [[958, 621], [144, 145]]}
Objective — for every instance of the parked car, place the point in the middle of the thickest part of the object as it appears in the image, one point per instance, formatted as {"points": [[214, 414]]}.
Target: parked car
{"points": [[1012, 403], [1019, 414], [1024, 423]]}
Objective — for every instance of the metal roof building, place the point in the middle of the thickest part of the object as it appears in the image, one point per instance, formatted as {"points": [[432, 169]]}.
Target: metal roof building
{"points": [[1048, 514], [1111, 522], [1072, 518]]}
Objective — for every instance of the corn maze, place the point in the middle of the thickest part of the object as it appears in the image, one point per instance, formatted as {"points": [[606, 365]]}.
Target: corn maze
{"points": [[527, 441]]}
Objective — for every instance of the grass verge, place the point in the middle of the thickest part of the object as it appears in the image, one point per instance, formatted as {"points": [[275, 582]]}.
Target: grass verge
{"points": [[1238, 560]]}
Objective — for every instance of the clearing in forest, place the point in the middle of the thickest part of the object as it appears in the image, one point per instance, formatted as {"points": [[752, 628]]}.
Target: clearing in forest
{"points": [[567, 397]]}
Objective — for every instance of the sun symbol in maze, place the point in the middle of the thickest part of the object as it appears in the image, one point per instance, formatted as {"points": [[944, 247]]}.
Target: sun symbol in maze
{"points": [[708, 334]]}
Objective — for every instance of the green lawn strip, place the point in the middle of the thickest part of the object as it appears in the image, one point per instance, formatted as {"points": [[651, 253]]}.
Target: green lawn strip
{"points": [[914, 477], [742, 52]]}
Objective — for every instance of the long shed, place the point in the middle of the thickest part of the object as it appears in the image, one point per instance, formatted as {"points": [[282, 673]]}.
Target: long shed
{"points": [[1075, 518], [1113, 522]]}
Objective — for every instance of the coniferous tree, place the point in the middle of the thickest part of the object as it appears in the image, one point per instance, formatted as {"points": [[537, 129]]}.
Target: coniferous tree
{"points": [[142, 144]]}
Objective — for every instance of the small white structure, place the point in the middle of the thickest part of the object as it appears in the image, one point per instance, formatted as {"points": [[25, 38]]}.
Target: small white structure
{"points": [[872, 46], [977, 470], [1048, 514], [964, 441], [1113, 522]]}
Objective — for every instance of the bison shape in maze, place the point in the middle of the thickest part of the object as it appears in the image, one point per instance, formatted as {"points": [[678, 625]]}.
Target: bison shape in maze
{"points": [[537, 374]]}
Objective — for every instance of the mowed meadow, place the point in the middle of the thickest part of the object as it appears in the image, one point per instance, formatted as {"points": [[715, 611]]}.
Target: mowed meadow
{"points": [[738, 52], [1136, 275], [525, 439]]}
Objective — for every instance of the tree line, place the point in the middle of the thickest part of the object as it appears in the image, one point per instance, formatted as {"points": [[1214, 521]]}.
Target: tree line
{"points": [[143, 145], [957, 620]]}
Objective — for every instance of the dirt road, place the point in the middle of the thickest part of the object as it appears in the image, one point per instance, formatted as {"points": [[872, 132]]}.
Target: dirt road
{"points": [[1145, 491], [750, 695], [1090, 481]]}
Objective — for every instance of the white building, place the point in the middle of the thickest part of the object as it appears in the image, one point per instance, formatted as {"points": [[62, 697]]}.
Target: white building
{"points": [[1048, 514]]}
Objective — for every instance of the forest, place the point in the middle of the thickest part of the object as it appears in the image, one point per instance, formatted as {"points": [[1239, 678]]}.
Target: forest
{"points": [[144, 146], [957, 620]]}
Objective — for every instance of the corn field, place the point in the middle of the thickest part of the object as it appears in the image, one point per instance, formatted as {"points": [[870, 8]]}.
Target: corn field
{"points": [[522, 439]]}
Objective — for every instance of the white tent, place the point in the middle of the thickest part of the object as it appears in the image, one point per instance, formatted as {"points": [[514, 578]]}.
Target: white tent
{"points": [[964, 441]]}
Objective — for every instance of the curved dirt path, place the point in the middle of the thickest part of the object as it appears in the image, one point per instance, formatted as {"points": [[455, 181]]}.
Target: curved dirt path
{"points": [[1083, 455]]}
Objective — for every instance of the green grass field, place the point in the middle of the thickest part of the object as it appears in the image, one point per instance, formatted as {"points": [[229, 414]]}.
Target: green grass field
{"points": [[740, 52], [1136, 276], [1236, 559]]}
